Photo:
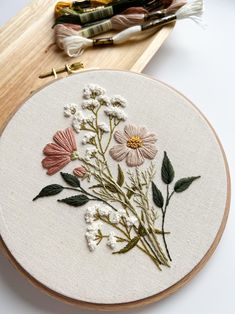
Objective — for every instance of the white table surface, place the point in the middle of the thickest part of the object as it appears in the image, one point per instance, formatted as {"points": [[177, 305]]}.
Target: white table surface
{"points": [[200, 64]]}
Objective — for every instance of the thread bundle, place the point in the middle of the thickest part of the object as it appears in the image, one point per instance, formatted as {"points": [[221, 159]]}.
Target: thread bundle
{"points": [[73, 38]]}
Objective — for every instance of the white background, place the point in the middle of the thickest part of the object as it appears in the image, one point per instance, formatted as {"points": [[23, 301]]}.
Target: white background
{"points": [[200, 64]]}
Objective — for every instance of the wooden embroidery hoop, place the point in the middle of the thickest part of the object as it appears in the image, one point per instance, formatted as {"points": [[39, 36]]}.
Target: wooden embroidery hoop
{"points": [[151, 299]]}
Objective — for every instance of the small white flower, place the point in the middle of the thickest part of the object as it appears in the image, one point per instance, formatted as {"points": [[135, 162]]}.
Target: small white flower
{"points": [[118, 101], [90, 104], [90, 152], [121, 212], [92, 91], [91, 245], [103, 127], [94, 227], [79, 116], [103, 100], [87, 138], [76, 124], [104, 211], [70, 110], [89, 214], [90, 118], [115, 112], [90, 236], [112, 241], [131, 221], [114, 217]]}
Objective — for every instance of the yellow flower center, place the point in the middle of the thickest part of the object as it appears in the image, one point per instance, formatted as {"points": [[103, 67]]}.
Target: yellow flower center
{"points": [[135, 142]]}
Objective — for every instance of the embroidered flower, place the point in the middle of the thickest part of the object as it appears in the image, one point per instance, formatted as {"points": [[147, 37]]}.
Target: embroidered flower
{"points": [[118, 101], [90, 214], [103, 127], [131, 221], [90, 104], [103, 100], [79, 171], [87, 139], [60, 153], [70, 110], [92, 91], [135, 144], [115, 217], [115, 112], [90, 153], [112, 240], [104, 211]]}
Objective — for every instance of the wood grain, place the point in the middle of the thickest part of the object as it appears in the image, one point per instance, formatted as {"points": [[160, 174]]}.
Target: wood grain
{"points": [[26, 52]]}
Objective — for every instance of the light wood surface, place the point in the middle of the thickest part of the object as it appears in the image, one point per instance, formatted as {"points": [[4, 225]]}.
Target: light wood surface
{"points": [[26, 52]]}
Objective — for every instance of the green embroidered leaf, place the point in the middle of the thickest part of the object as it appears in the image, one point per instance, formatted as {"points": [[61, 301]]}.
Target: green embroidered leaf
{"points": [[142, 231], [130, 245], [49, 190], [70, 179], [182, 184], [121, 178], [76, 200], [129, 194], [167, 170], [157, 196], [96, 186], [111, 187]]}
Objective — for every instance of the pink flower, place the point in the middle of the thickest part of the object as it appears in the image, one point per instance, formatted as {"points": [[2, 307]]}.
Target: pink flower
{"points": [[79, 171], [135, 144], [60, 153]]}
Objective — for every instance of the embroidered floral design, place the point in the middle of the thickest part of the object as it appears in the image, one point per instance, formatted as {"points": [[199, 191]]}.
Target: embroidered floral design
{"points": [[135, 144], [125, 209], [60, 153]]}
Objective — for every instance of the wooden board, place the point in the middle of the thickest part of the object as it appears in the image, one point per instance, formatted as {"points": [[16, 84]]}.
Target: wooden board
{"points": [[26, 52]]}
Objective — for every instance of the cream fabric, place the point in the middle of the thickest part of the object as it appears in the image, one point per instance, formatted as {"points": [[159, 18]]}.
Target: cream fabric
{"points": [[47, 237]]}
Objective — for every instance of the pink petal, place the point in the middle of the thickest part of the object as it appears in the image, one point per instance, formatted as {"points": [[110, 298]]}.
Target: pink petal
{"points": [[134, 158], [54, 149], [120, 137], [79, 171], [131, 130], [149, 151], [118, 152], [150, 138], [142, 132], [55, 163], [66, 139]]}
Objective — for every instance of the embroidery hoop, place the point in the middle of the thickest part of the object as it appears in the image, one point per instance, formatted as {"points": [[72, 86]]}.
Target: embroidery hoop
{"points": [[167, 291]]}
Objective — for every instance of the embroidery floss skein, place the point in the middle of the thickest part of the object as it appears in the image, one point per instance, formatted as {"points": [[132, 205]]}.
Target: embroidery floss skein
{"points": [[75, 45], [110, 10], [117, 22]]}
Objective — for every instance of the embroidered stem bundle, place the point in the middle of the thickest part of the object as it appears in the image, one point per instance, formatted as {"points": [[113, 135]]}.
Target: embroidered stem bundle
{"points": [[75, 45]]}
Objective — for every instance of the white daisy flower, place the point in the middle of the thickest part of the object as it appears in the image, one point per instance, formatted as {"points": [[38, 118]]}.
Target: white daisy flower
{"points": [[70, 110], [115, 112], [103, 127], [118, 101]]}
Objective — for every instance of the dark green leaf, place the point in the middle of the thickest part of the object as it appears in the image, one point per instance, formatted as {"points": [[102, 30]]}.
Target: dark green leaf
{"points": [[96, 186], [49, 190], [130, 245], [157, 196], [141, 231], [76, 200], [182, 184], [167, 170], [70, 179], [121, 178]]}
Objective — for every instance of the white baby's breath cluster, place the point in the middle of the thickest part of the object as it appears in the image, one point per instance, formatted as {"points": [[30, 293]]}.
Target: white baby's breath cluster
{"points": [[87, 139], [96, 212]]}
